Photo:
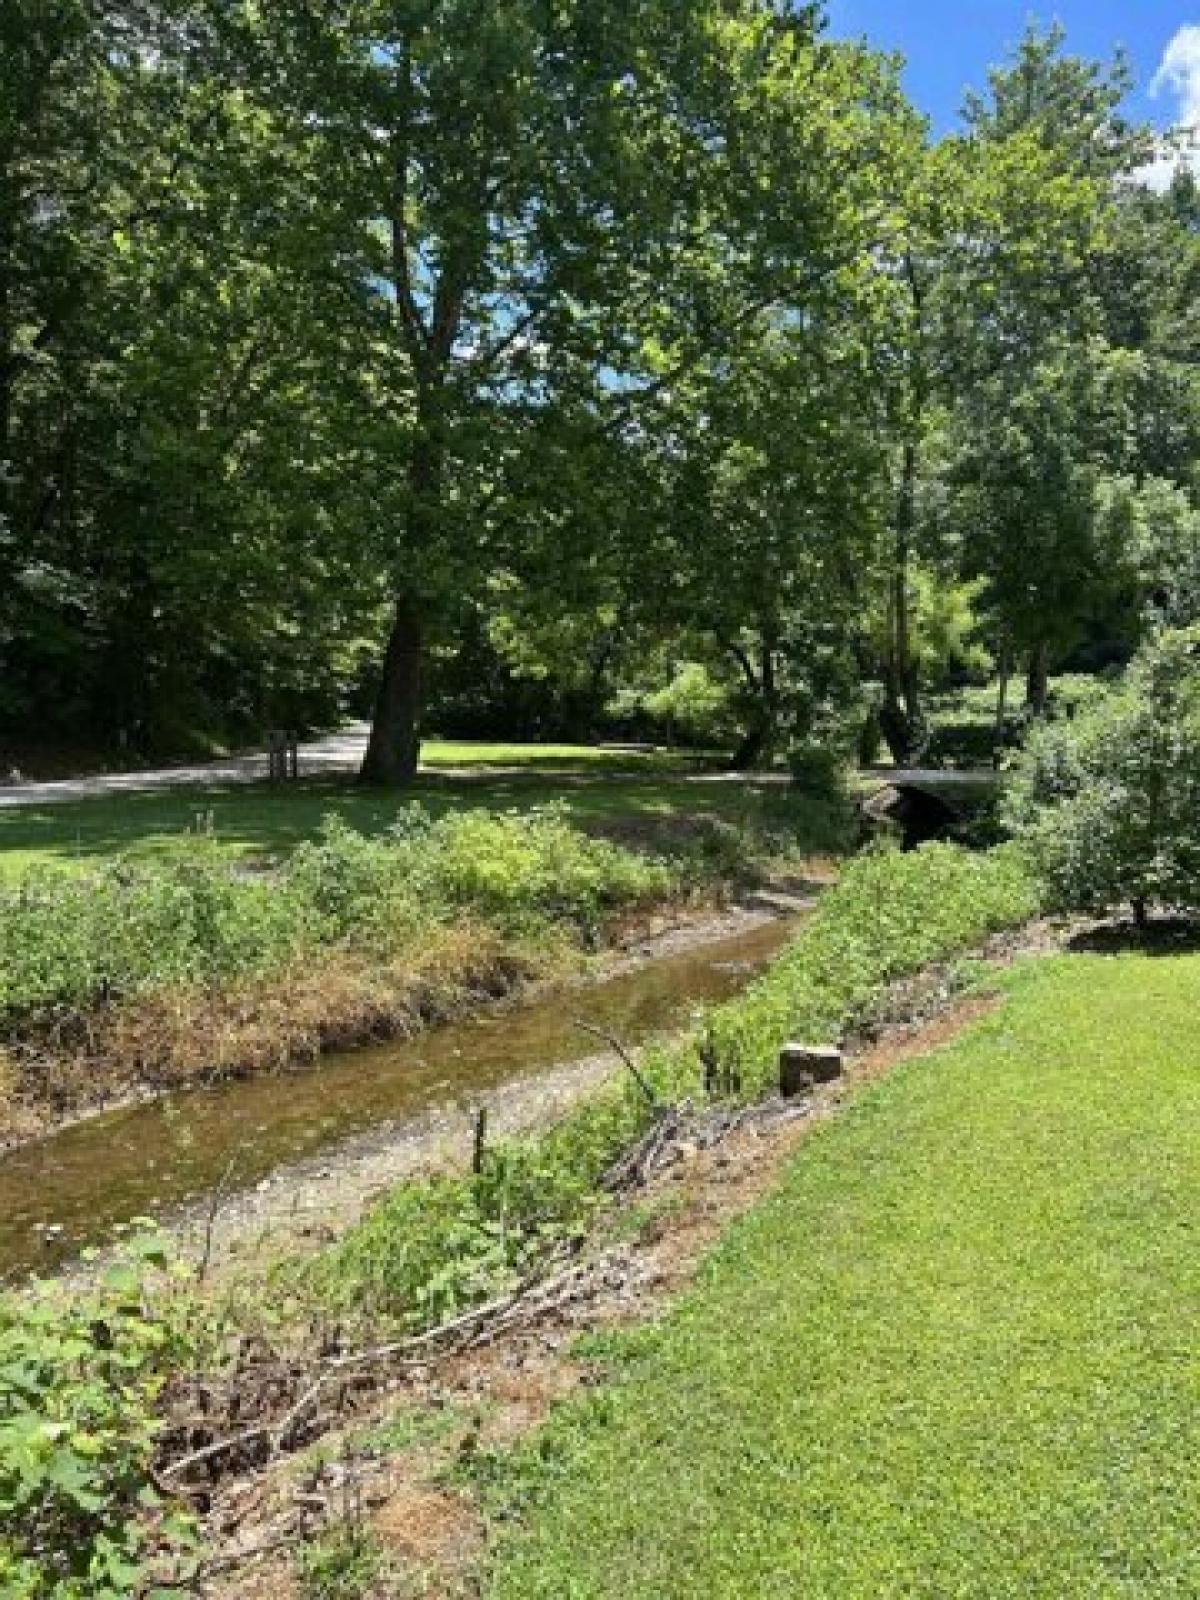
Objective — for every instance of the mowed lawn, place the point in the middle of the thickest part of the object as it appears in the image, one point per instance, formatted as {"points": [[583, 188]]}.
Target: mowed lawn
{"points": [[957, 1355], [600, 788]]}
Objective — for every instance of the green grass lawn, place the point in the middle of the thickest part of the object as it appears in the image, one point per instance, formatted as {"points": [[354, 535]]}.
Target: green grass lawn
{"points": [[955, 1356], [601, 788]]}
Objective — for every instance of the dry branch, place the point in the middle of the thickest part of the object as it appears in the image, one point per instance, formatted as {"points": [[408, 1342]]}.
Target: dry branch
{"points": [[542, 1290], [631, 1065]]}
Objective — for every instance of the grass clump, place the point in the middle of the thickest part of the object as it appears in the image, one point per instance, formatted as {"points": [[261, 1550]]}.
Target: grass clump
{"points": [[439, 1245], [71, 941], [341, 1565]]}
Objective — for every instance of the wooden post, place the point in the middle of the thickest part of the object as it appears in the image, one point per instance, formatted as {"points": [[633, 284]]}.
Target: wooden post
{"points": [[803, 1066], [480, 1149], [283, 755]]}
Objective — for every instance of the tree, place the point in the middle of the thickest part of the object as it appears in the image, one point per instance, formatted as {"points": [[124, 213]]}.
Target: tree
{"points": [[561, 211], [776, 485], [994, 231], [1051, 149], [912, 358], [172, 514], [1109, 804], [1032, 462]]}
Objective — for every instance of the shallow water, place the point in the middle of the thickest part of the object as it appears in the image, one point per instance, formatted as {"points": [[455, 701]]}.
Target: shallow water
{"points": [[74, 1188]]}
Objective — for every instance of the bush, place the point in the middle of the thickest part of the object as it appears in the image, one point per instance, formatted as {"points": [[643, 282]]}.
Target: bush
{"points": [[69, 941], [1109, 804], [816, 769], [696, 707], [78, 1381], [522, 866]]}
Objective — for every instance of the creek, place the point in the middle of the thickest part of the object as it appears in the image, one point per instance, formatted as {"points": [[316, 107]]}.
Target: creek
{"points": [[77, 1186]]}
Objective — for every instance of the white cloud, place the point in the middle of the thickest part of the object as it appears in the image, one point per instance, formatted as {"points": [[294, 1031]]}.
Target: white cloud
{"points": [[1178, 76]]}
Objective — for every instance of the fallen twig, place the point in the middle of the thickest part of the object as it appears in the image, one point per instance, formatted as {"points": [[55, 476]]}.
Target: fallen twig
{"points": [[279, 1432], [538, 1291]]}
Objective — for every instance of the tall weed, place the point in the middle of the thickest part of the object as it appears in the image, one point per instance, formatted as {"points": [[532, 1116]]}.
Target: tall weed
{"points": [[69, 941]]}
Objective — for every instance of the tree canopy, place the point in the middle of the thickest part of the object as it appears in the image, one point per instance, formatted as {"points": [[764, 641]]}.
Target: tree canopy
{"points": [[391, 354]]}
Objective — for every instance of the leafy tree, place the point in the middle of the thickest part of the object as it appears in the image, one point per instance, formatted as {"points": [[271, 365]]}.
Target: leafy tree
{"points": [[994, 231], [1161, 524], [1109, 804], [172, 516], [776, 504], [562, 212], [1080, 418], [1031, 469]]}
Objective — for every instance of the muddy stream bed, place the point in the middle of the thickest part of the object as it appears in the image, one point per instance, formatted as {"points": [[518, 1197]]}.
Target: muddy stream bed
{"points": [[370, 1111]]}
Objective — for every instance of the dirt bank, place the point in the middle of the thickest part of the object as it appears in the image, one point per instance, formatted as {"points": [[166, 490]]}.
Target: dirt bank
{"points": [[279, 1167]]}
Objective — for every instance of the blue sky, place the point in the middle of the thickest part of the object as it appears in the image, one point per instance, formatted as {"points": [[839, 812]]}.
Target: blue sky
{"points": [[951, 43]]}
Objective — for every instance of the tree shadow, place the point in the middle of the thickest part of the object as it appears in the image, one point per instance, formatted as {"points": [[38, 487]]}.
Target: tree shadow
{"points": [[1161, 936]]}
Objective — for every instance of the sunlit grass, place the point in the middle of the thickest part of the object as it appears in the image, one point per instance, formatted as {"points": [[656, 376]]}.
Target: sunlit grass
{"points": [[955, 1355]]}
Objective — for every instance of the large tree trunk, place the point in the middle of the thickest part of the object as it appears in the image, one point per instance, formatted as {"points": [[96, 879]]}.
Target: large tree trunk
{"points": [[902, 716], [893, 719], [394, 748], [762, 730], [1037, 682], [6, 357], [755, 744]]}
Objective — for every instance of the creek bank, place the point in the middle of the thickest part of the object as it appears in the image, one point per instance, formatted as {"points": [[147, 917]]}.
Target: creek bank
{"points": [[487, 1393], [224, 1380], [284, 1169], [308, 1203], [147, 976], [136, 1052]]}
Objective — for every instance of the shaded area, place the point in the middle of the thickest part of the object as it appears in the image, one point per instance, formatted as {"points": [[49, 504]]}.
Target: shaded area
{"points": [[1161, 936], [922, 806], [260, 821]]}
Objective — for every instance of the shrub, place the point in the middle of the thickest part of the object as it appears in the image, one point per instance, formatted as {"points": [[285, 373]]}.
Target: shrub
{"points": [[69, 941], [695, 707], [521, 866], [1109, 804], [78, 1380], [817, 769]]}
